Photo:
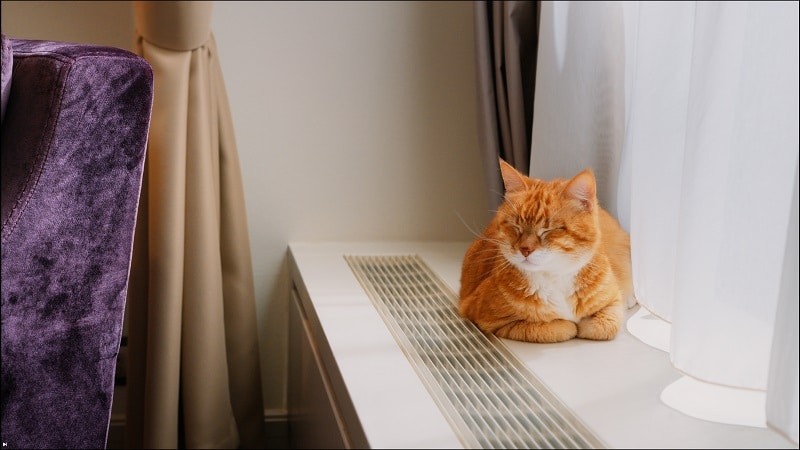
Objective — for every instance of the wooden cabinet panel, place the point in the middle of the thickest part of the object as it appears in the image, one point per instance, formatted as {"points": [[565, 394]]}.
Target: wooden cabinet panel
{"points": [[314, 418]]}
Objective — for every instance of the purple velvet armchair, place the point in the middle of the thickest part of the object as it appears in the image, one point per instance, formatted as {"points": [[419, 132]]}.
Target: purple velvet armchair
{"points": [[74, 132]]}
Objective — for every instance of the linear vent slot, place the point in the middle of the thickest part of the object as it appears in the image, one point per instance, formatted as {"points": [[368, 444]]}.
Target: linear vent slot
{"points": [[487, 395]]}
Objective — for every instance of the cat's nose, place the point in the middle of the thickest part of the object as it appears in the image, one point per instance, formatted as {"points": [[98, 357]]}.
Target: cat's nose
{"points": [[525, 251]]}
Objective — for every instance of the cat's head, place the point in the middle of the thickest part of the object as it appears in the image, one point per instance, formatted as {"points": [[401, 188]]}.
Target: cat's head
{"points": [[547, 226]]}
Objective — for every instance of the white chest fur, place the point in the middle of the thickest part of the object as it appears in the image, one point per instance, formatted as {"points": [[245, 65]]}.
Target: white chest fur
{"points": [[555, 289]]}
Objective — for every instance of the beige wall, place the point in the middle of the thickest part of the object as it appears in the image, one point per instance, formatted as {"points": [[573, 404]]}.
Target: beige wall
{"points": [[106, 23], [354, 121]]}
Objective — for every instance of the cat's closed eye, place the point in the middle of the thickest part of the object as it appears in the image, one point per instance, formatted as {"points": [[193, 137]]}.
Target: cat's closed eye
{"points": [[515, 227], [544, 233]]}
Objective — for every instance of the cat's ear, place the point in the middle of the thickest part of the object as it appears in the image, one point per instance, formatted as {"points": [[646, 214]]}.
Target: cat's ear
{"points": [[512, 179], [583, 188]]}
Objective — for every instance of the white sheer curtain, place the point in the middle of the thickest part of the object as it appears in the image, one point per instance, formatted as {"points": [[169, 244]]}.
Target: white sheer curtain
{"points": [[692, 115]]}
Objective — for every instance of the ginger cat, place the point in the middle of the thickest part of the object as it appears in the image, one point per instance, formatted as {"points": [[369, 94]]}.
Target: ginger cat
{"points": [[550, 266]]}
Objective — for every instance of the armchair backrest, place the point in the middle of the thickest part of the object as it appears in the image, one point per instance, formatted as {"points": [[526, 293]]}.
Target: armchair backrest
{"points": [[74, 133]]}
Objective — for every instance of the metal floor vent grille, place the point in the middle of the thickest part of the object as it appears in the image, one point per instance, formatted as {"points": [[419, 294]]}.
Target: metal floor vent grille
{"points": [[489, 397]]}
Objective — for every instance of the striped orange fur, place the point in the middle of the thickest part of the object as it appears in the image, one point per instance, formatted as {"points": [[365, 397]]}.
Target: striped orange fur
{"points": [[550, 266]]}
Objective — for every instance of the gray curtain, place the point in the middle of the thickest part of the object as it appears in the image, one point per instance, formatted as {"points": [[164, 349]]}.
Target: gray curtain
{"points": [[506, 40]]}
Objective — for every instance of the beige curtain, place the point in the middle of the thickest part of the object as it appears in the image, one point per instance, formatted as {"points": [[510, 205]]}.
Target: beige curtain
{"points": [[193, 377]]}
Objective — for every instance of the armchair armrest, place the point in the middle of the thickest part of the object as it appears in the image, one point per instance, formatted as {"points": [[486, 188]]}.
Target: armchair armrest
{"points": [[73, 148]]}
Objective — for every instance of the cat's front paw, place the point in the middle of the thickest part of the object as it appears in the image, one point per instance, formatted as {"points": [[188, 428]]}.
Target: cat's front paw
{"points": [[560, 330], [598, 328], [542, 332]]}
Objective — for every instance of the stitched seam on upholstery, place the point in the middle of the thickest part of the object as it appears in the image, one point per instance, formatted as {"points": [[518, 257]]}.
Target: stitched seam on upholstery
{"points": [[9, 226], [33, 178], [64, 57]]}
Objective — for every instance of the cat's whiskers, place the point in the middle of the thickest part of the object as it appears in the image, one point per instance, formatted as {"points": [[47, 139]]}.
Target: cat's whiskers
{"points": [[466, 225], [503, 265], [495, 191], [491, 257], [498, 242]]}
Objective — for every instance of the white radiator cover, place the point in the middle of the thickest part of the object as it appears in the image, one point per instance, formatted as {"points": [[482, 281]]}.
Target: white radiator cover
{"points": [[369, 394]]}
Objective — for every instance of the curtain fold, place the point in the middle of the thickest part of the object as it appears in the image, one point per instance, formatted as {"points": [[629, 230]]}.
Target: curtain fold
{"points": [[719, 129], [580, 109], [784, 373], [506, 39], [689, 112], [193, 376], [738, 151]]}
